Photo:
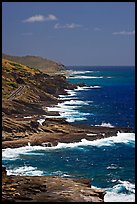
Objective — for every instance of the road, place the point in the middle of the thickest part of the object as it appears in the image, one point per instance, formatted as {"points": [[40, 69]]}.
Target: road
{"points": [[16, 92]]}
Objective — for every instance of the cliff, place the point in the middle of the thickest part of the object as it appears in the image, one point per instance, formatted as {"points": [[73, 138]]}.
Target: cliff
{"points": [[26, 89]]}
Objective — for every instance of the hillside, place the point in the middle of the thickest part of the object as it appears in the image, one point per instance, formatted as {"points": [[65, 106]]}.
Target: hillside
{"points": [[25, 89], [45, 65]]}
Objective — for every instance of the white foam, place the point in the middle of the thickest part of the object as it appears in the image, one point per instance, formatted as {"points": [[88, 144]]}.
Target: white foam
{"points": [[64, 97], [91, 134], [68, 110], [75, 102], [70, 92], [71, 120], [80, 72], [112, 166], [25, 170], [14, 153], [128, 185], [115, 194], [105, 125], [80, 88], [61, 174], [72, 116], [85, 77], [115, 197], [126, 138], [68, 113], [41, 121], [88, 77], [27, 117]]}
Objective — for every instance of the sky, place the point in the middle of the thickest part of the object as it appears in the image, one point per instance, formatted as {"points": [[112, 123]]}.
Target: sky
{"points": [[72, 33]]}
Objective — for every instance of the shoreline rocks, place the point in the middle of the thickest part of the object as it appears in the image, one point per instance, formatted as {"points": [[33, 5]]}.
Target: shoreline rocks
{"points": [[49, 189]]}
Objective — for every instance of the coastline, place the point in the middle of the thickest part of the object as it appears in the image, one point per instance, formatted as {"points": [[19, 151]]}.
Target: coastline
{"points": [[20, 130]]}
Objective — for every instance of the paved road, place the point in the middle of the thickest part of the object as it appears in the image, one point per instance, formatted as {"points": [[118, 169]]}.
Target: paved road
{"points": [[16, 92]]}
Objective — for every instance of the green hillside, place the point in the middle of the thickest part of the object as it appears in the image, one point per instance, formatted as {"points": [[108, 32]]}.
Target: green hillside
{"points": [[45, 65]]}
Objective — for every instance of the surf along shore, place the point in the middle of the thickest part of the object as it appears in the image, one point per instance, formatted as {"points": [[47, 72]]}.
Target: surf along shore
{"points": [[27, 92]]}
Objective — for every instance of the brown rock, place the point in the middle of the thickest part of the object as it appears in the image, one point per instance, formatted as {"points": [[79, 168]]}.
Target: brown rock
{"points": [[49, 189]]}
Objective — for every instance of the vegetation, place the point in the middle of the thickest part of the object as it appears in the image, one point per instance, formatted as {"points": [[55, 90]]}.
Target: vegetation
{"points": [[35, 62], [27, 90]]}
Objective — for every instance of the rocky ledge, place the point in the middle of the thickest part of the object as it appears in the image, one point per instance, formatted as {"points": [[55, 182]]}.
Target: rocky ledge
{"points": [[18, 132], [48, 189]]}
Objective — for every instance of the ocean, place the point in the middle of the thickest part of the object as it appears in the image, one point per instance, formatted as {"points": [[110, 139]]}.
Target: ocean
{"points": [[107, 98]]}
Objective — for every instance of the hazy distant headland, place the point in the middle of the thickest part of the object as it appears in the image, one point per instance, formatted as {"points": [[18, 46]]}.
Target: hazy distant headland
{"points": [[43, 64]]}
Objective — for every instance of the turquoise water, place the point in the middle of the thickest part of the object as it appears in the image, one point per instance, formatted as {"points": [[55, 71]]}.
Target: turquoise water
{"points": [[107, 99]]}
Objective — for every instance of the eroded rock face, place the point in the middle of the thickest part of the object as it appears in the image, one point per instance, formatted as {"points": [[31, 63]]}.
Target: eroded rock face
{"points": [[49, 189]]}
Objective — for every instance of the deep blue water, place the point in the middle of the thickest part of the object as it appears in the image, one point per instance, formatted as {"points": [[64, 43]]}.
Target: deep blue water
{"points": [[114, 102], [107, 99]]}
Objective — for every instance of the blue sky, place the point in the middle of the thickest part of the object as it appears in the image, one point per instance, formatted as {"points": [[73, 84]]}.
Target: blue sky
{"points": [[73, 33]]}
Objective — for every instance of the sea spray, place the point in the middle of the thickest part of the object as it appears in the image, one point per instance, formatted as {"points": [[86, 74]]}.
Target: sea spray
{"points": [[125, 138]]}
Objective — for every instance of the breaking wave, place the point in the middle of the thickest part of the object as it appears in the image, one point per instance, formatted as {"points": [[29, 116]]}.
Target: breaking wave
{"points": [[24, 170], [88, 77], [125, 138], [105, 125], [124, 191]]}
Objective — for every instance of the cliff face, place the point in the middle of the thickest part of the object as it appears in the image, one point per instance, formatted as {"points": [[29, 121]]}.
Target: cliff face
{"points": [[26, 89], [45, 65]]}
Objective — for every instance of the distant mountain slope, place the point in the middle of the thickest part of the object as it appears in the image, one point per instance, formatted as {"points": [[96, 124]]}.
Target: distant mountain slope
{"points": [[45, 65]]}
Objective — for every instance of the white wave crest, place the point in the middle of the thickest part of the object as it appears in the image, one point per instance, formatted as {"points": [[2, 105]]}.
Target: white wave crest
{"points": [[70, 92], [76, 102], [71, 120], [81, 72], [126, 138], [128, 186], [25, 171], [105, 125], [116, 197], [68, 110], [116, 194], [64, 97], [27, 117], [89, 77], [86, 77], [80, 88]]}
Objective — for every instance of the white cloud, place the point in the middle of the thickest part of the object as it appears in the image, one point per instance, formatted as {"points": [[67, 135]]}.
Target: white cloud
{"points": [[68, 26], [51, 17], [40, 18], [124, 33]]}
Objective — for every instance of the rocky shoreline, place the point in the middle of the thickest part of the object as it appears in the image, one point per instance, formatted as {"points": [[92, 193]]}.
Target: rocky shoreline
{"points": [[51, 132], [22, 110], [48, 189]]}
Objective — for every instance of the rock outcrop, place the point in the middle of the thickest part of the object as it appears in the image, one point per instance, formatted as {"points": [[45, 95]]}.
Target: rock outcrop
{"points": [[49, 189]]}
